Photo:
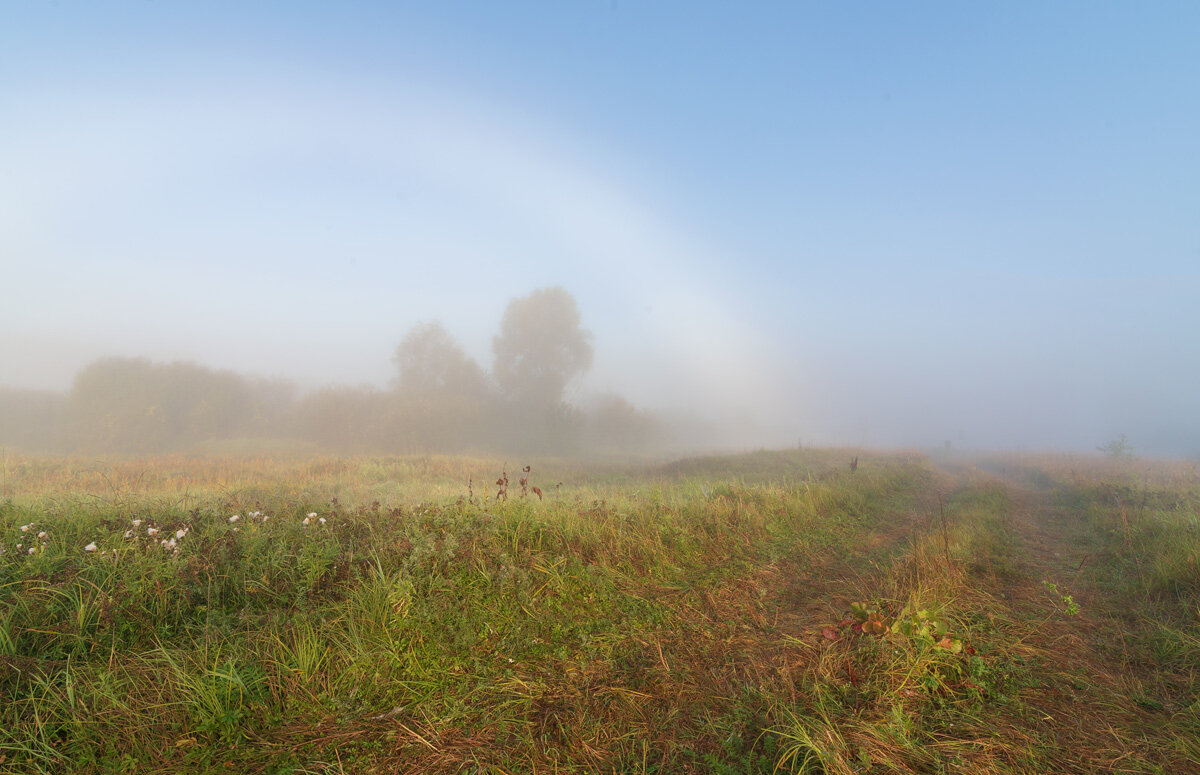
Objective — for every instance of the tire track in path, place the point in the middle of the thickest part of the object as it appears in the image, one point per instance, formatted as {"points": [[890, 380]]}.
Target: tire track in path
{"points": [[1088, 674]]}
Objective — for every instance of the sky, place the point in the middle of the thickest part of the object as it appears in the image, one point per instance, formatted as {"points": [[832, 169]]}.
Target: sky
{"points": [[864, 223]]}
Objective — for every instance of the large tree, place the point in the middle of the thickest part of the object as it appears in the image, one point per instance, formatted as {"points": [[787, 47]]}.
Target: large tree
{"points": [[541, 347], [441, 394], [133, 405], [429, 362]]}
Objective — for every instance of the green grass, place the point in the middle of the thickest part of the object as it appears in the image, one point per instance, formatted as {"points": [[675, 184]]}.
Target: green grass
{"points": [[757, 613]]}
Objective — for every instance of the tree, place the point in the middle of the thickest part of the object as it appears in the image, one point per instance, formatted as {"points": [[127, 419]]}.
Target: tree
{"points": [[1117, 449], [429, 362], [348, 419], [441, 394], [540, 348], [615, 424], [133, 405], [113, 407]]}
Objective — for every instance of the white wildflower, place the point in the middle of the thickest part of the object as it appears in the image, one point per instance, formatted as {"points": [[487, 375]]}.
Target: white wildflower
{"points": [[137, 522], [129, 534], [25, 528], [307, 521], [312, 514], [181, 532], [151, 531], [234, 518], [42, 535], [90, 547], [29, 550], [321, 520]]}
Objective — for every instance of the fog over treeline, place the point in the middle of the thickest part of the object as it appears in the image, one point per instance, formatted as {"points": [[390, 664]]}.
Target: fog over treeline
{"points": [[796, 223], [440, 400]]}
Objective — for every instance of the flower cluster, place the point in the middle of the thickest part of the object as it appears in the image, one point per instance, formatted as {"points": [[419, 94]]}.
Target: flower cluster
{"points": [[39, 543], [170, 543]]}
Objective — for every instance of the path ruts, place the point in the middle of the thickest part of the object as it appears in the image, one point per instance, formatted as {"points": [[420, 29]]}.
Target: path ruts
{"points": [[1086, 677]]}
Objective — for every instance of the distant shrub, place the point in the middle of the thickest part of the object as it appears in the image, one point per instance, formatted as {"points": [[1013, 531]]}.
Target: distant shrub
{"points": [[1117, 449]]}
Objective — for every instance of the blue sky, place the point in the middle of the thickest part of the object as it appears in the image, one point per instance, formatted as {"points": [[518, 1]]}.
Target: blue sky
{"points": [[868, 223]]}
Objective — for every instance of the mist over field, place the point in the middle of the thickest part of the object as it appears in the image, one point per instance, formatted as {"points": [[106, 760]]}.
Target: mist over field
{"points": [[599, 386], [762, 227]]}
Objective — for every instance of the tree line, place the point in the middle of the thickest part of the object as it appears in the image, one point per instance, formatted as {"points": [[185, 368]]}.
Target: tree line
{"points": [[440, 400]]}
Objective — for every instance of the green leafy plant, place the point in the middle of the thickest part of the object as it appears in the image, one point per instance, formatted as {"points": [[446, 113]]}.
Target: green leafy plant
{"points": [[1070, 607], [919, 627]]}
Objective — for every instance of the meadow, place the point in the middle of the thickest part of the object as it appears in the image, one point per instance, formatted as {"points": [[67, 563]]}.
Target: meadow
{"points": [[766, 612]]}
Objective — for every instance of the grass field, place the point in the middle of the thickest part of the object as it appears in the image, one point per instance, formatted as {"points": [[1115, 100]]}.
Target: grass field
{"points": [[765, 612]]}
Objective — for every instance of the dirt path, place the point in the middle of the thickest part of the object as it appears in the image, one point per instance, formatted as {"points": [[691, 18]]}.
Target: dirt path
{"points": [[1049, 550], [1094, 690]]}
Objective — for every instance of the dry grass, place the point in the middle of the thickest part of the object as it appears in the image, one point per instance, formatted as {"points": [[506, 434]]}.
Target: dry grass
{"points": [[697, 616]]}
